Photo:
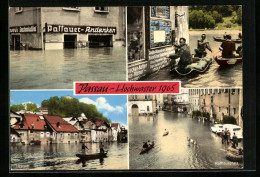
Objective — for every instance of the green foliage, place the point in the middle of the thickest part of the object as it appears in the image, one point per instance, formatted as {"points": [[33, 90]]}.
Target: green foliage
{"points": [[239, 15], [195, 113], [17, 107], [71, 107], [32, 107], [229, 120], [201, 17]]}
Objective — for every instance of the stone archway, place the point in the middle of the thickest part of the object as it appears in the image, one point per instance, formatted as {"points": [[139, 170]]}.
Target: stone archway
{"points": [[135, 109]]}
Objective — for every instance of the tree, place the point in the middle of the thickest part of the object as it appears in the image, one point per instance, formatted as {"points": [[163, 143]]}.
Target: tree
{"points": [[18, 107], [31, 107], [229, 120], [71, 107], [239, 15]]}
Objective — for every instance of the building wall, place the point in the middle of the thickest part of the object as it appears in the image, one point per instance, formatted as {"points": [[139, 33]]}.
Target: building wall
{"points": [[67, 137], [28, 16], [194, 96], [156, 58], [224, 103], [65, 16]]}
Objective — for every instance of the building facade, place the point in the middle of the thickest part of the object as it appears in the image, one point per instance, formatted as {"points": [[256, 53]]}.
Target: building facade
{"points": [[66, 27], [33, 127], [151, 32], [142, 104], [194, 97], [177, 102], [221, 102], [62, 131]]}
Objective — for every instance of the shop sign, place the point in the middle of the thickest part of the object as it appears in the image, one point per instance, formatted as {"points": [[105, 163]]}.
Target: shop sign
{"points": [[24, 29], [80, 29]]}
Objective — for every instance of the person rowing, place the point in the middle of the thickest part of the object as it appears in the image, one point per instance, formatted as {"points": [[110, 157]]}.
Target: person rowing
{"points": [[202, 45]]}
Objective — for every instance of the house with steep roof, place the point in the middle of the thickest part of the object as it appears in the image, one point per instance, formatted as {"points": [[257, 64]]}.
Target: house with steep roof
{"points": [[63, 132], [101, 132], [85, 127], [33, 127], [115, 130]]}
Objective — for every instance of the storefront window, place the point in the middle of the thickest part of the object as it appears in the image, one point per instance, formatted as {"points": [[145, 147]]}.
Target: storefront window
{"points": [[135, 33]]}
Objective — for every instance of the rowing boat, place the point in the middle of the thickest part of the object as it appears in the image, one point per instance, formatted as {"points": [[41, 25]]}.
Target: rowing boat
{"points": [[225, 62], [92, 156], [144, 150], [166, 133], [219, 39]]}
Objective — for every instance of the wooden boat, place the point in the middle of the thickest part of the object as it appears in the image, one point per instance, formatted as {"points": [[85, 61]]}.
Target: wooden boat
{"points": [[166, 133], [92, 156], [193, 69], [219, 39], [144, 150], [234, 157], [226, 62], [35, 142]]}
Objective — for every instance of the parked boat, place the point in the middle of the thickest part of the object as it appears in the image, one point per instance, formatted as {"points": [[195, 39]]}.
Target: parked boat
{"points": [[144, 150], [92, 156], [226, 62], [195, 68], [219, 39]]}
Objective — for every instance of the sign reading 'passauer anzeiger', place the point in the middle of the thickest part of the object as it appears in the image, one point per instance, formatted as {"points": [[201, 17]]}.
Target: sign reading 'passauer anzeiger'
{"points": [[80, 29]]}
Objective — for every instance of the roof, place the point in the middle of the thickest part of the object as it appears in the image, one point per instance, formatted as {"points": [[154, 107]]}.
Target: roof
{"points": [[59, 125], [32, 121], [43, 108], [115, 125], [99, 123]]}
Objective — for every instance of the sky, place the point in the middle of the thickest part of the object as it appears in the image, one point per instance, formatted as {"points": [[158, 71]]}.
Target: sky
{"points": [[113, 107]]}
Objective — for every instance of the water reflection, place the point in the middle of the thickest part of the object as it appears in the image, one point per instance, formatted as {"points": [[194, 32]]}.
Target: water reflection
{"points": [[174, 151], [63, 157], [57, 69]]}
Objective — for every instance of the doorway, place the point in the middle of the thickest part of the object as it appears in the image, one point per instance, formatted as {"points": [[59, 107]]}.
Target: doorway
{"points": [[70, 41], [100, 41], [15, 42], [135, 110]]}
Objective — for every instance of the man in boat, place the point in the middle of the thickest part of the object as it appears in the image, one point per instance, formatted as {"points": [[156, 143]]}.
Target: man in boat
{"points": [[101, 147], [149, 143], [145, 145], [202, 46], [83, 147], [183, 52], [228, 47]]}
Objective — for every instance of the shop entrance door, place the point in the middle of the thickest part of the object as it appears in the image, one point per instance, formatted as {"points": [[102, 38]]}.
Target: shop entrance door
{"points": [[70, 41], [100, 41], [15, 43]]}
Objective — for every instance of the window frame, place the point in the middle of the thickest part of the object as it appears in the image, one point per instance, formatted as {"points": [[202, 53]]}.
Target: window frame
{"points": [[101, 11]]}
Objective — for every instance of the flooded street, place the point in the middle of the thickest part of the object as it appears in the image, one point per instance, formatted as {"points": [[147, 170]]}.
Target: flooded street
{"points": [[63, 157], [58, 69], [173, 151], [214, 76]]}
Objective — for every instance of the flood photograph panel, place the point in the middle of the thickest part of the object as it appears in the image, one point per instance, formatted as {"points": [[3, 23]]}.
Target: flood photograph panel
{"points": [[199, 45], [50, 47], [56, 130], [196, 129]]}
